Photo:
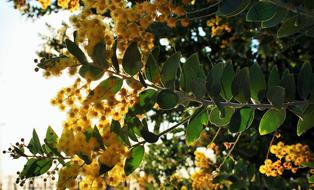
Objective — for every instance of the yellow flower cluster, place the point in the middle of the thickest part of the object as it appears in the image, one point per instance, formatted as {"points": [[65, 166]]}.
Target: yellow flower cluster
{"points": [[289, 157], [54, 67], [202, 161], [19, 4], [81, 118], [217, 28], [69, 4], [44, 3], [203, 180]]}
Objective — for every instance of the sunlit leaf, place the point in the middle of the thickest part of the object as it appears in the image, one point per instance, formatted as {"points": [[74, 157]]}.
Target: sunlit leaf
{"points": [[134, 160], [215, 116], [34, 145], [307, 122], [241, 120], [195, 126], [271, 121]]}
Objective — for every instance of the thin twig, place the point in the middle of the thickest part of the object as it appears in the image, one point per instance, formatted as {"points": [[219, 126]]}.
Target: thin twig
{"points": [[230, 151], [216, 135], [165, 131], [203, 9], [270, 143]]}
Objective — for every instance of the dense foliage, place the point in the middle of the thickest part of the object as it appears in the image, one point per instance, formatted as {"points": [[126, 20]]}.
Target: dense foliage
{"points": [[178, 95]]}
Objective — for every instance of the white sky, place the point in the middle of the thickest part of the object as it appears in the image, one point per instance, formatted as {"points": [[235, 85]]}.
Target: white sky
{"points": [[24, 94]]}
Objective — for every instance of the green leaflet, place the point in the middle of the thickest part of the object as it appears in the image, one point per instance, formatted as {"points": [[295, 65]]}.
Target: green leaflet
{"points": [[304, 80], [232, 7], [195, 126], [105, 89], [34, 145], [271, 121], [307, 122], [241, 120], [152, 72], [131, 61], [99, 55], [216, 118], [276, 96], [169, 70], [257, 83], [76, 52], [261, 11], [167, 99], [134, 160], [191, 71], [241, 86]]}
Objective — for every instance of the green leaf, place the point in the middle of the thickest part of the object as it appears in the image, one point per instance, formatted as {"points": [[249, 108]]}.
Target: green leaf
{"points": [[261, 11], [132, 60], [257, 82], [198, 87], [152, 69], [105, 89], [299, 110], [307, 164], [122, 132], [142, 79], [213, 82], [34, 145], [167, 99], [51, 137], [274, 78], [304, 80], [156, 51], [276, 96], [191, 70], [232, 7], [226, 82], [90, 72], [114, 58], [134, 160], [289, 27], [149, 136], [147, 100], [35, 167], [76, 52], [103, 168], [241, 120], [98, 137], [271, 121], [280, 15], [216, 118], [288, 82], [84, 157], [241, 86], [311, 179], [195, 126], [99, 55], [169, 70], [307, 122], [51, 141]]}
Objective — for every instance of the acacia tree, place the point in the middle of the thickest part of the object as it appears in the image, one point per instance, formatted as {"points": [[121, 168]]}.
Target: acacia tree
{"points": [[234, 79]]}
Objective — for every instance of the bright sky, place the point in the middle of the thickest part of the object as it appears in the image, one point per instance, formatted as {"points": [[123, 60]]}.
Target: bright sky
{"points": [[24, 94]]}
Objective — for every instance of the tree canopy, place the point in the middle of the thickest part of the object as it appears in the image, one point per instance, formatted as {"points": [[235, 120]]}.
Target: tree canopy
{"points": [[182, 94]]}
